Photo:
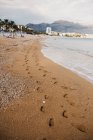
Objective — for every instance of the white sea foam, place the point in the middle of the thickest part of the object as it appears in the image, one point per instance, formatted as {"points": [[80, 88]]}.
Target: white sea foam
{"points": [[74, 54]]}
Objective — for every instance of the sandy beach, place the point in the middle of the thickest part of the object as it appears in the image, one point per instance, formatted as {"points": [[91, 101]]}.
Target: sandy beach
{"points": [[40, 100]]}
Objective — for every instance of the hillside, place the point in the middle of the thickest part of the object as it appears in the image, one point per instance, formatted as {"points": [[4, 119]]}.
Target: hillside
{"points": [[61, 26]]}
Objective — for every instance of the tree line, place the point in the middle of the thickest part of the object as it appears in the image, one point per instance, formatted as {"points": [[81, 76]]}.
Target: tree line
{"points": [[7, 25]]}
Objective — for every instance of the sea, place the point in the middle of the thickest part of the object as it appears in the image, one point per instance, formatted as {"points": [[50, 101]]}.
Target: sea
{"points": [[75, 54]]}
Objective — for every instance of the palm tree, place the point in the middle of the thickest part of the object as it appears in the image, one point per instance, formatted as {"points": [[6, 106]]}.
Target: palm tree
{"points": [[11, 23], [12, 28], [0, 22], [6, 22], [2, 28]]}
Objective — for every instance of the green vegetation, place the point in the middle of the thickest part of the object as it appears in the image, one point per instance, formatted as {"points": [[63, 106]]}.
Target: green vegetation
{"points": [[7, 25], [10, 26]]}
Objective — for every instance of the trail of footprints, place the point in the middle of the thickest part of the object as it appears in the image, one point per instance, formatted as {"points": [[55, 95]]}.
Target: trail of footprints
{"points": [[64, 113], [26, 62]]}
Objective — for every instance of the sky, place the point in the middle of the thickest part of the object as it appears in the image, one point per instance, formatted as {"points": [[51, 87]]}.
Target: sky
{"points": [[38, 11]]}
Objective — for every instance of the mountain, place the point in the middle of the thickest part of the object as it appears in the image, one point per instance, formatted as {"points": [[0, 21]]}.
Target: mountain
{"points": [[61, 26], [38, 27]]}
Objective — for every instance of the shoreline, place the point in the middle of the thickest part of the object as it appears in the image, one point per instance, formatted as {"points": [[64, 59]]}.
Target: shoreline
{"points": [[56, 104], [80, 74], [83, 74]]}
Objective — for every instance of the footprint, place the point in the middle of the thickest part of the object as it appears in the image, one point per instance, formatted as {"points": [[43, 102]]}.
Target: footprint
{"points": [[38, 82], [65, 95], [62, 106], [64, 114], [28, 72], [42, 109], [27, 69], [38, 88], [70, 88], [80, 127], [46, 96], [45, 71], [64, 87], [26, 60], [55, 82], [51, 122], [71, 103], [85, 109], [44, 75]]}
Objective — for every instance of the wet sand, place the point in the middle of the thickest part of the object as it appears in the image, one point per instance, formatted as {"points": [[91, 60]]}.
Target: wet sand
{"points": [[40, 100]]}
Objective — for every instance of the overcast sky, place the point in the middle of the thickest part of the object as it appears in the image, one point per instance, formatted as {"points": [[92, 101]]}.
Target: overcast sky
{"points": [[37, 11]]}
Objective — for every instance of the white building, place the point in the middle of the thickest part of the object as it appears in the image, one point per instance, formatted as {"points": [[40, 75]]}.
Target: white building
{"points": [[48, 30]]}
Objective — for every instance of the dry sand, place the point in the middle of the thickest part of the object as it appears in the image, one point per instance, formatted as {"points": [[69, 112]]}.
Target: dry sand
{"points": [[39, 100]]}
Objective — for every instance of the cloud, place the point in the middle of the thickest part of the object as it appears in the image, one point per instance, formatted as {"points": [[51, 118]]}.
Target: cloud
{"points": [[47, 10]]}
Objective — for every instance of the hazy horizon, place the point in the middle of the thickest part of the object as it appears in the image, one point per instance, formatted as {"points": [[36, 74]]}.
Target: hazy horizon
{"points": [[23, 12]]}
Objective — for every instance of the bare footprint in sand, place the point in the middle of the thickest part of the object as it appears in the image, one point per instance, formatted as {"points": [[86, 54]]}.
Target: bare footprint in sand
{"points": [[80, 127], [72, 103], [38, 89], [46, 97], [38, 82], [64, 87], [65, 95], [45, 71], [51, 122], [28, 72], [54, 79], [64, 114], [27, 69], [44, 75], [55, 82], [39, 69], [42, 109], [26, 60]]}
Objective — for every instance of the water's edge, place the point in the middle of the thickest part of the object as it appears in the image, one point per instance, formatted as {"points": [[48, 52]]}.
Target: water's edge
{"points": [[76, 71]]}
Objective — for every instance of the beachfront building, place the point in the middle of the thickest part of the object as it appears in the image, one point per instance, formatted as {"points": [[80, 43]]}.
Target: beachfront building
{"points": [[48, 30]]}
